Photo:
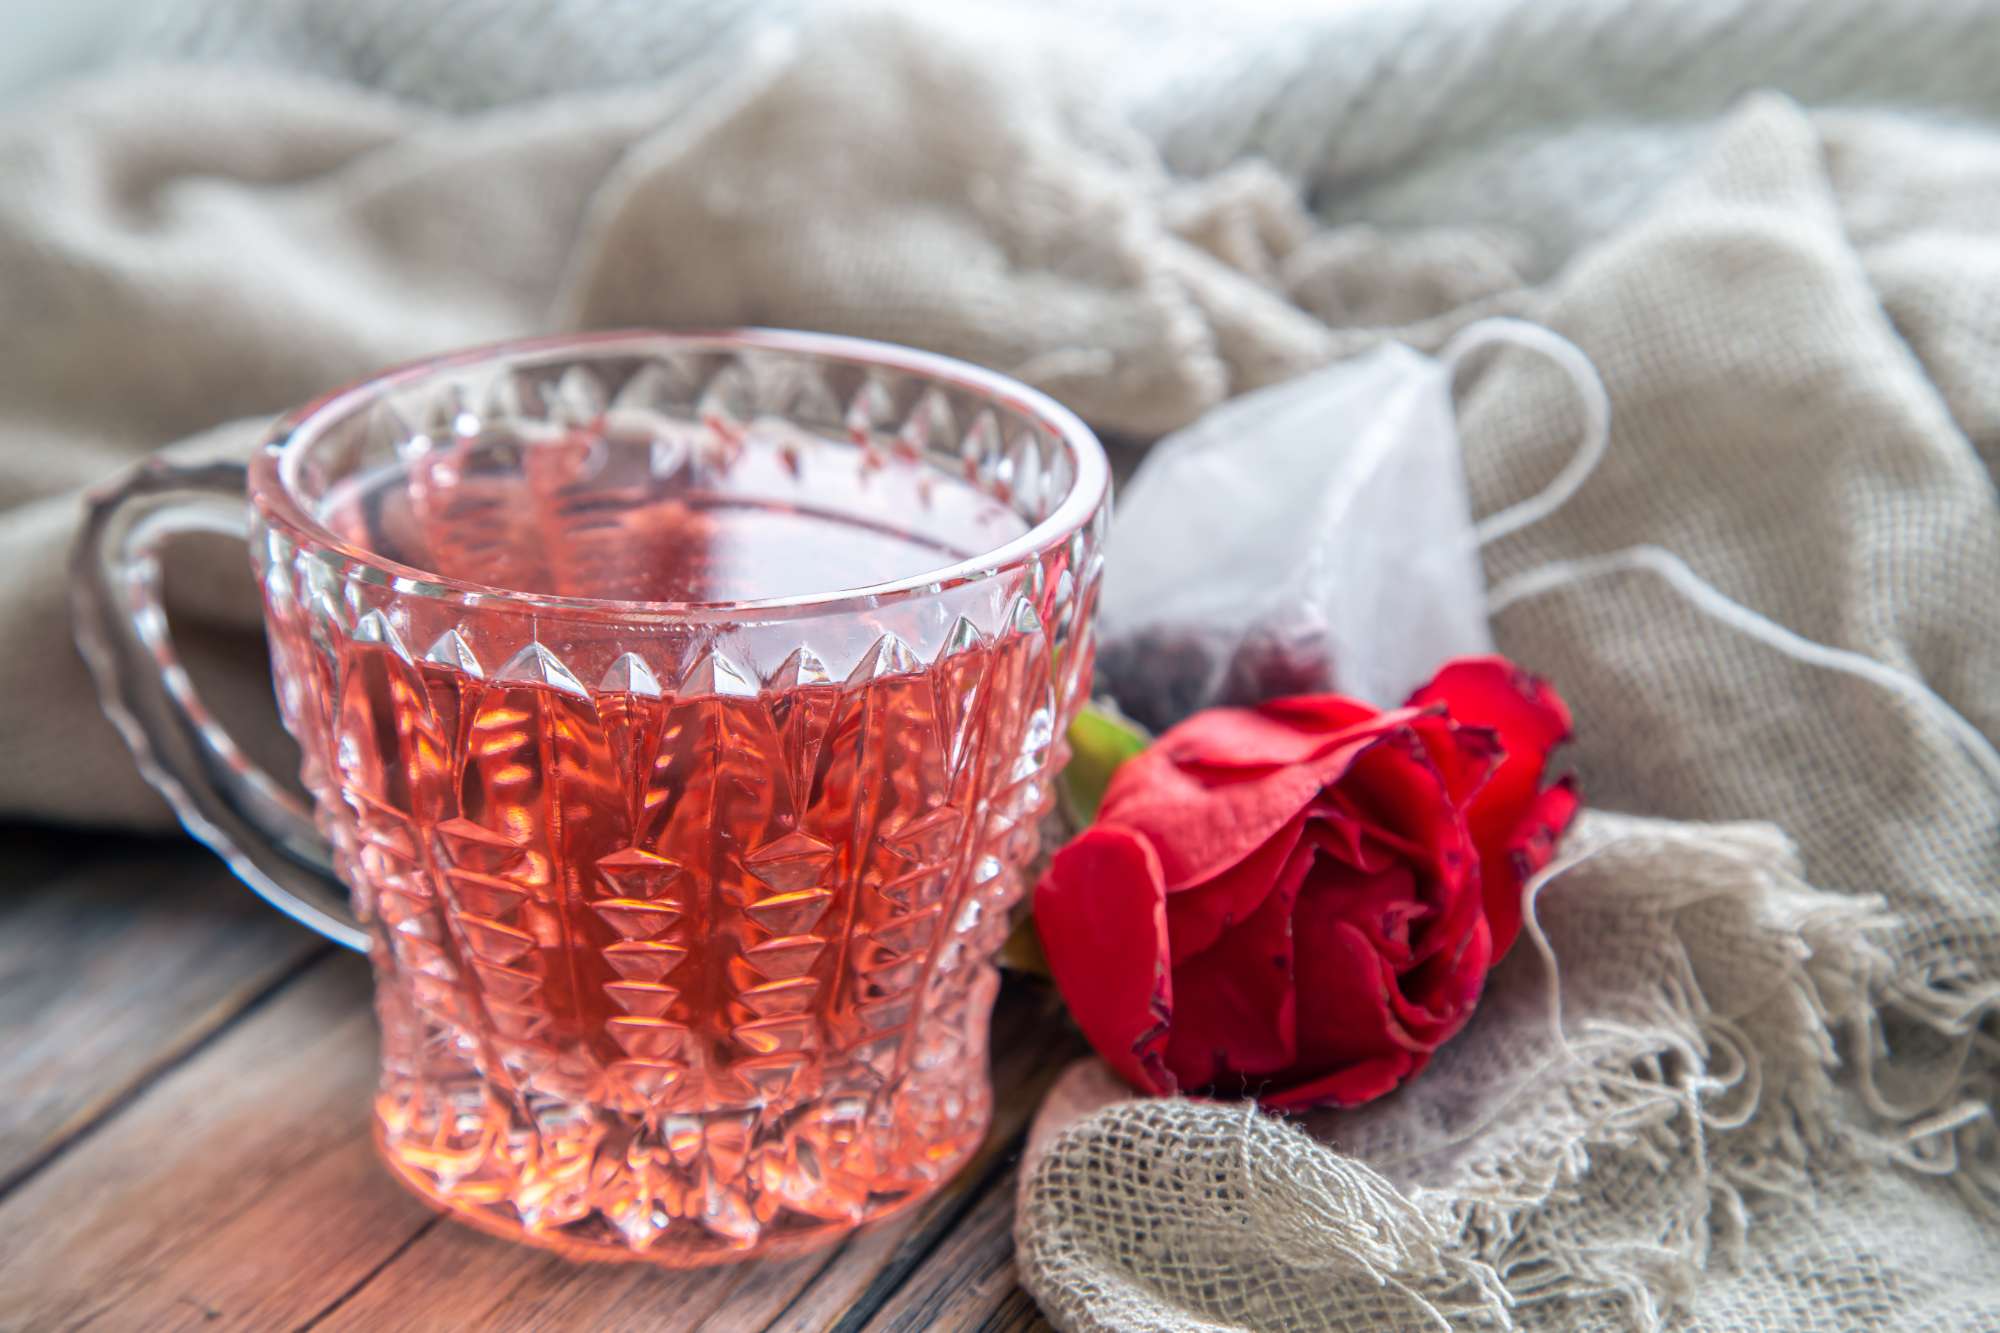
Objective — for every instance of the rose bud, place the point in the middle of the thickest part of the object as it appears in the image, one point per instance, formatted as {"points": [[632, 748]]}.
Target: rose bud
{"points": [[1300, 901]]}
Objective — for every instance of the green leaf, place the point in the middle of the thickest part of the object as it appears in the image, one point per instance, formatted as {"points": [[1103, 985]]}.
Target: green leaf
{"points": [[1099, 741]]}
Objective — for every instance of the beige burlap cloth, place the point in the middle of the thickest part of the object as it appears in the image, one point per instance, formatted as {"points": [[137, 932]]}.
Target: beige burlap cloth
{"points": [[1743, 1074]]}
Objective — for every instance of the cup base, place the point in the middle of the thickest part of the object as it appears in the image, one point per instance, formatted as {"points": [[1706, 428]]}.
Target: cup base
{"points": [[695, 1232]]}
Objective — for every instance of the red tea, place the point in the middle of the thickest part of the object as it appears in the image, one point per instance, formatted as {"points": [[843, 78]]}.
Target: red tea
{"points": [[678, 952], [668, 518]]}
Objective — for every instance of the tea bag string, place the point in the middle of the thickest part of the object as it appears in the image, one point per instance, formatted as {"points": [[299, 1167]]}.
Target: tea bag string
{"points": [[1702, 595], [1717, 606], [1590, 391]]}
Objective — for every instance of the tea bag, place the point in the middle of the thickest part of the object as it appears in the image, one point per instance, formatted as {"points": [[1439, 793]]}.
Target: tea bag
{"points": [[1314, 536]]}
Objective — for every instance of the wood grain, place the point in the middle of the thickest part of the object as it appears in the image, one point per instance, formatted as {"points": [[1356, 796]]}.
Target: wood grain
{"points": [[967, 1281], [114, 968], [240, 1190], [452, 1276], [1016, 1313]]}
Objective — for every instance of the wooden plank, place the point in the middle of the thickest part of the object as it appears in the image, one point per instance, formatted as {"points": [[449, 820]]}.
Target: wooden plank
{"points": [[114, 969], [452, 1276], [1032, 1043], [967, 1281], [239, 1190], [1016, 1313]]}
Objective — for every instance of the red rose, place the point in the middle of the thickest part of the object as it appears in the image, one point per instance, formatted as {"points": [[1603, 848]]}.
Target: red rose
{"points": [[1301, 900]]}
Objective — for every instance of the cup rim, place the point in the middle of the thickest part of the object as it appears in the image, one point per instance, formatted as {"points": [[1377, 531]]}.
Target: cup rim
{"points": [[280, 457]]}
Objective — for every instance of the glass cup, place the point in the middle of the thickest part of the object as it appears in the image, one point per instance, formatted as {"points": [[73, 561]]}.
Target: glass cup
{"points": [[678, 711]]}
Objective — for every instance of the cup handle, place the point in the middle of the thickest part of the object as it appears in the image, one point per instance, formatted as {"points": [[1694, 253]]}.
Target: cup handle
{"points": [[261, 830]]}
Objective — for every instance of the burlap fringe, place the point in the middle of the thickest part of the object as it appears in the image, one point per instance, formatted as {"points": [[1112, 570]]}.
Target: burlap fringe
{"points": [[1705, 1099], [1740, 1101]]}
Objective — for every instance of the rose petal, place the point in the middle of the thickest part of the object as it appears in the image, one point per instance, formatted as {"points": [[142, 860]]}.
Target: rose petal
{"points": [[1434, 1000], [1466, 756], [1197, 915], [1337, 829], [1344, 1014], [1234, 1015], [1349, 1086], [1101, 913], [1382, 905], [1398, 789], [1200, 824], [1397, 792], [1199, 831], [1280, 732], [1529, 719], [1536, 837], [1523, 709], [1530, 846]]}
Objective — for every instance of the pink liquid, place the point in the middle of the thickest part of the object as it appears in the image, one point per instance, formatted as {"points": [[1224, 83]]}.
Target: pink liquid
{"points": [[686, 967], [588, 516]]}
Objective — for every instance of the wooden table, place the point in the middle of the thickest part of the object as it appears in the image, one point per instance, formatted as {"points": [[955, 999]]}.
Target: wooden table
{"points": [[184, 1084]]}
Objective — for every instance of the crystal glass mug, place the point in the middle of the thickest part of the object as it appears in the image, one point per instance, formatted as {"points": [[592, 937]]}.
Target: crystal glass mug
{"points": [[680, 892]]}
